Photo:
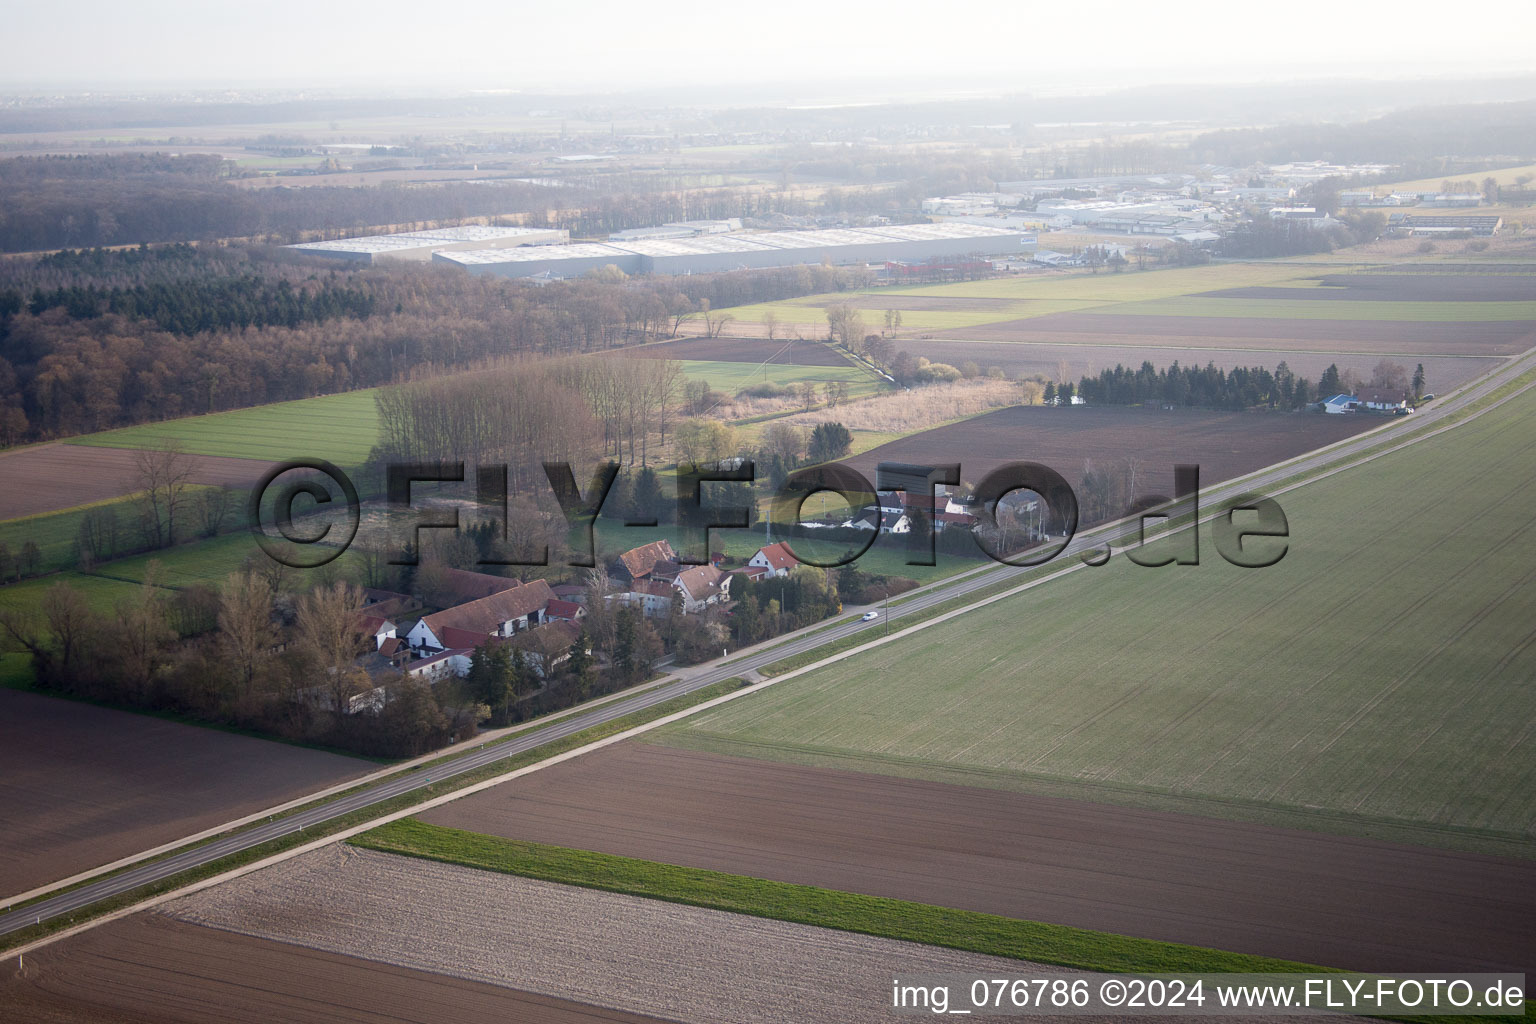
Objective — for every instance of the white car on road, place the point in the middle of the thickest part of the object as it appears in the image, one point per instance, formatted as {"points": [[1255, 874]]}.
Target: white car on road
{"points": [[869, 616]]}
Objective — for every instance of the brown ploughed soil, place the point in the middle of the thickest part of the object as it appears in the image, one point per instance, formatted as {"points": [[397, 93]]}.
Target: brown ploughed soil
{"points": [[81, 786], [1306, 896]]}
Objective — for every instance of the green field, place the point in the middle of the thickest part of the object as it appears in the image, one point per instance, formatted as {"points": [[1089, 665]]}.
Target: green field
{"points": [[341, 428], [1375, 681], [1163, 292], [731, 377], [100, 593]]}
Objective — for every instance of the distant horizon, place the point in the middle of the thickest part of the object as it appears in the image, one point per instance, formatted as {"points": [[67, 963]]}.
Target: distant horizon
{"points": [[158, 45]]}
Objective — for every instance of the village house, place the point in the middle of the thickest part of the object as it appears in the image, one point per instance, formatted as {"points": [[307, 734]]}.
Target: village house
{"points": [[376, 629], [461, 586], [648, 577], [1341, 404], [564, 611], [547, 647], [772, 560], [702, 586], [655, 560], [467, 625], [1384, 399]]}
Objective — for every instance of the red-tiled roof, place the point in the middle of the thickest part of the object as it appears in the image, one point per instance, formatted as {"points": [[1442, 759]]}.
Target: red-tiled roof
{"points": [[558, 609], [463, 586], [778, 556], [392, 646], [485, 615], [639, 562], [752, 572]]}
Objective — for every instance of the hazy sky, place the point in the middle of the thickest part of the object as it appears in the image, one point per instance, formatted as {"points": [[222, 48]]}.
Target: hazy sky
{"points": [[572, 47]]}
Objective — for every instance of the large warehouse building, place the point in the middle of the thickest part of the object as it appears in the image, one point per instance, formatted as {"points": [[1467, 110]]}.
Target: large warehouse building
{"points": [[421, 245], [906, 243]]}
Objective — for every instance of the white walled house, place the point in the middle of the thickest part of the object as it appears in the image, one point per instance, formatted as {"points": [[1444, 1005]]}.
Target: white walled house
{"points": [[467, 625], [773, 560]]}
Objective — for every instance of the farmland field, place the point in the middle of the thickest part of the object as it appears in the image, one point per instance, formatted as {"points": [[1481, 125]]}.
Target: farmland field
{"points": [[341, 428], [1363, 338], [1377, 674], [1252, 889], [730, 376], [1046, 357], [743, 350], [1223, 444], [84, 785], [63, 476], [1306, 307], [150, 967], [601, 948]]}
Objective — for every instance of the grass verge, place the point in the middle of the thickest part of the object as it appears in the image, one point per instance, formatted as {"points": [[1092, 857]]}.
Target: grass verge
{"points": [[931, 925]]}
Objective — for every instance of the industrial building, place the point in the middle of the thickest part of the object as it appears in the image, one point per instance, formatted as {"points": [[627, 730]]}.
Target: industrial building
{"points": [[1417, 225], [712, 253], [420, 245]]}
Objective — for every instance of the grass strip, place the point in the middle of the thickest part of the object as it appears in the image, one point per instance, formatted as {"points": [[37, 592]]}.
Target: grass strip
{"points": [[31, 933], [806, 904], [1394, 439], [879, 916]]}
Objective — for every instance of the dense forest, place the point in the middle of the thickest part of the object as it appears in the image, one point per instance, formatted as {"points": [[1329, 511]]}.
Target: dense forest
{"points": [[93, 340]]}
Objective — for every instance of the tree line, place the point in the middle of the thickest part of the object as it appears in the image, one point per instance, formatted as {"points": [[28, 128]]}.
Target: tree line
{"points": [[91, 341]]}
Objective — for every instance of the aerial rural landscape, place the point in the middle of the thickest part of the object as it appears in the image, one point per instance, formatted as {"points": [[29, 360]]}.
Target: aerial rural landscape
{"points": [[880, 535]]}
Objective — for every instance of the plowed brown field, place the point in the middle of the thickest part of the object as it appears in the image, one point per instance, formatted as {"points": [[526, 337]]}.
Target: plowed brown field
{"points": [[81, 785], [151, 969], [1256, 889], [1223, 445], [50, 477]]}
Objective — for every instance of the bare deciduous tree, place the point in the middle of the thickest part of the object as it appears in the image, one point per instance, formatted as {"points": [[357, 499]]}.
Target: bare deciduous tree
{"points": [[161, 476], [246, 632], [328, 620]]}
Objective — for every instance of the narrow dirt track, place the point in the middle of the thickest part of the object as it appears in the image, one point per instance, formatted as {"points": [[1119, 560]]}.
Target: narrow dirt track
{"points": [[1304, 896]]}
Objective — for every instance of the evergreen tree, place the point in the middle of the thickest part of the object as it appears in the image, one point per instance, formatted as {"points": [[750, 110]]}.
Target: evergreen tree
{"points": [[1328, 385], [1418, 382]]}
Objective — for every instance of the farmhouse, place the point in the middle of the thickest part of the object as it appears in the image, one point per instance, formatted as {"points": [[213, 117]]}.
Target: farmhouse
{"points": [[655, 560], [1341, 404], [547, 647], [1384, 399], [652, 597], [564, 611], [460, 586], [702, 586], [376, 628], [466, 625], [773, 560]]}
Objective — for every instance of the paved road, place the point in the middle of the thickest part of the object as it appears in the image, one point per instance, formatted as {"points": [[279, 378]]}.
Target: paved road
{"points": [[919, 601]]}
